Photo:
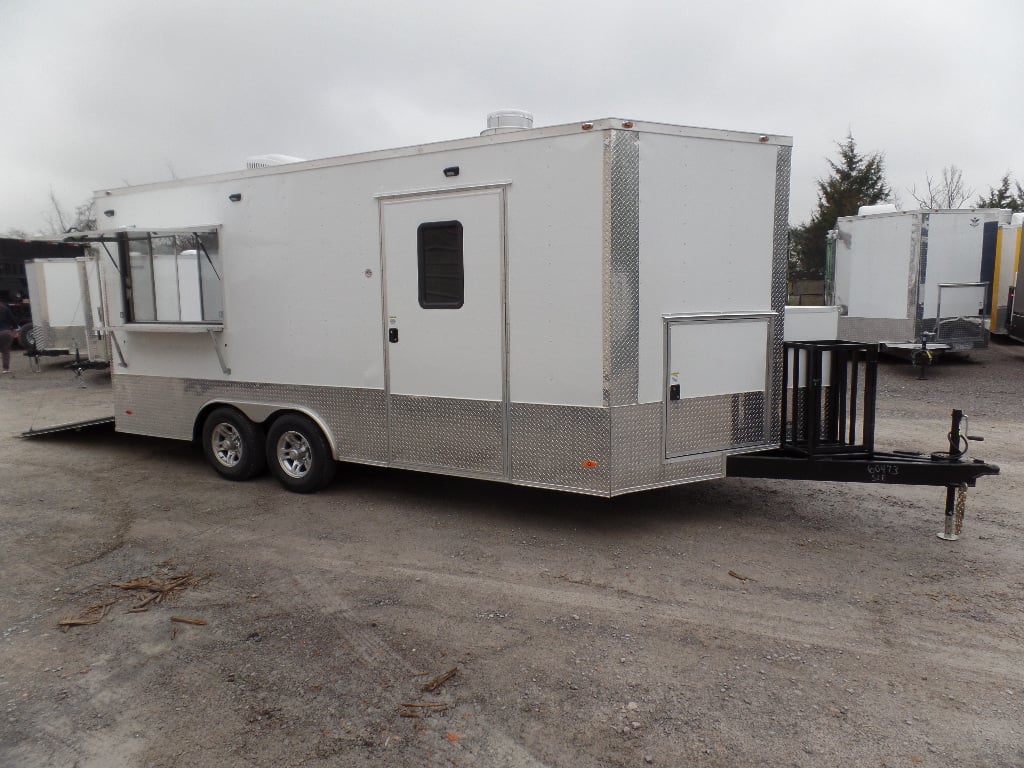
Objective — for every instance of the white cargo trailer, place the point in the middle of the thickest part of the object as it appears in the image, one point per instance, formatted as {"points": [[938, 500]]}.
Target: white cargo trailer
{"points": [[568, 307], [67, 308], [901, 274]]}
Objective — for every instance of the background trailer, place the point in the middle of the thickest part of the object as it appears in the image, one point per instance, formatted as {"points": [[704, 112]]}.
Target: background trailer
{"points": [[900, 274], [1006, 258], [1008, 266], [67, 309], [568, 307]]}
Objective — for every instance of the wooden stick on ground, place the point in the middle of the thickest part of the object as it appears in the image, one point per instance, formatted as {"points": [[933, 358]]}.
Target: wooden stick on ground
{"points": [[438, 681]]}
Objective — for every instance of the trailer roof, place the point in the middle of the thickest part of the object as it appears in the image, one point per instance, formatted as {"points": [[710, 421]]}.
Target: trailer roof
{"points": [[929, 211], [527, 134]]}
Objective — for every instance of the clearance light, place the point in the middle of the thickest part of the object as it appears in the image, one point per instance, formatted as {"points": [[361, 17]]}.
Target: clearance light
{"points": [[589, 463], [628, 124], [587, 126], [763, 139]]}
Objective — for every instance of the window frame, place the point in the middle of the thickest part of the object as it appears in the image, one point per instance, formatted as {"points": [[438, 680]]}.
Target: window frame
{"points": [[125, 238]]}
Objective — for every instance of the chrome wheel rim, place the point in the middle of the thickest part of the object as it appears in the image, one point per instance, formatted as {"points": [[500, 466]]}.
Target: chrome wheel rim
{"points": [[294, 455], [227, 444]]}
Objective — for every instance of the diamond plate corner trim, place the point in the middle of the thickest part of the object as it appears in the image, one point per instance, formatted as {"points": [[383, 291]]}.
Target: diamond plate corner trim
{"points": [[561, 446], [636, 453], [447, 433], [780, 275], [621, 267], [918, 269], [167, 407]]}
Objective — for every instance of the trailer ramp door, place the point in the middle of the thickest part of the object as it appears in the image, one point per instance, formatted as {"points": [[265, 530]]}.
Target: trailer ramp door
{"points": [[444, 330], [717, 383]]}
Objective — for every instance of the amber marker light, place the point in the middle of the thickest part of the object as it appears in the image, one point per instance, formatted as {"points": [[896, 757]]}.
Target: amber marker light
{"points": [[763, 139], [587, 126], [589, 463], [628, 124]]}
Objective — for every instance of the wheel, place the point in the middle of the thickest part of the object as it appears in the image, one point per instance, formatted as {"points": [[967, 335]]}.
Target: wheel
{"points": [[25, 336], [299, 455], [233, 445]]}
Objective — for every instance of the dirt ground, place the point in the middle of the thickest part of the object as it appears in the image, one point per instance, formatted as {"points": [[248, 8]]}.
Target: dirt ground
{"points": [[727, 623]]}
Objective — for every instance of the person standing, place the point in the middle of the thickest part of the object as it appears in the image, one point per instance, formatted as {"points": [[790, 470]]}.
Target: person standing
{"points": [[7, 324]]}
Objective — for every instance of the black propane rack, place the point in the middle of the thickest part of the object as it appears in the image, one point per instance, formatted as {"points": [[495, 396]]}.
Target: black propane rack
{"points": [[827, 430]]}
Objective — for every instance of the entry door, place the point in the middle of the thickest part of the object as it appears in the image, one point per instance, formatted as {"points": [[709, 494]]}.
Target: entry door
{"points": [[445, 330]]}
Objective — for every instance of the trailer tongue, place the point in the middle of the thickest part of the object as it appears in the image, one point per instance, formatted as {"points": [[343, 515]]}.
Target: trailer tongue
{"points": [[828, 428]]}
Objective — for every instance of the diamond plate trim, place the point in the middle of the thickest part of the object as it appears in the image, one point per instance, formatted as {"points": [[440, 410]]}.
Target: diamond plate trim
{"points": [[918, 267], [168, 407], [715, 423], [874, 329], [636, 453], [551, 442], [466, 435], [621, 266], [780, 274], [57, 337]]}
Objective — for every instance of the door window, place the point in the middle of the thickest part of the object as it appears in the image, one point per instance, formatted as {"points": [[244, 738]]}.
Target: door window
{"points": [[439, 255]]}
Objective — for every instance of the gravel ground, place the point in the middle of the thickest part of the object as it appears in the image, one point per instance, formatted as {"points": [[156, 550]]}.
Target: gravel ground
{"points": [[727, 623]]}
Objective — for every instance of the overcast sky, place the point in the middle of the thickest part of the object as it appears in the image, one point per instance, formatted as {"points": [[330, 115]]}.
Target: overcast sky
{"points": [[103, 93]]}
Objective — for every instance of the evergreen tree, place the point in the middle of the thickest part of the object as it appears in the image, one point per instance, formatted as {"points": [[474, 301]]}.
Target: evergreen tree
{"points": [[1009, 194], [855, 180]]}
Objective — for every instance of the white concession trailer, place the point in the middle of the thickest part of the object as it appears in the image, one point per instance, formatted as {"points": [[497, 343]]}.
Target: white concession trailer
{"points": [[901, 274], [567, 307]]}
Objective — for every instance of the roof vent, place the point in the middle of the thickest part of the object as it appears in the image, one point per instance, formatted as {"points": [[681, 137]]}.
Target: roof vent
{"points": [[507, 120], [265, 161], [1017, 220], [871, 210]]}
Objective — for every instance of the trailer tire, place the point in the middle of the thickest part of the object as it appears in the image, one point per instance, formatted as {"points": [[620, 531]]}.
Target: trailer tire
{"points": [[25, 336], [299, 455], [233, 445]]}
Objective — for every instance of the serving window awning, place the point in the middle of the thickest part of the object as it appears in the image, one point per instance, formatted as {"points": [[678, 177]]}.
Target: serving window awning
{"points": [[112, 235]]}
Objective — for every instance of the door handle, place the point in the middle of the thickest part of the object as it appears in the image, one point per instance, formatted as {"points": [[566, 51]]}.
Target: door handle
{"points": [[393, 335]]}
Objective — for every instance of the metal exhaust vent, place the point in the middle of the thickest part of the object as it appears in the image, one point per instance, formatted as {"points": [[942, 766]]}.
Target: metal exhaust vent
{"points": [[265, 161], [507, 120]]}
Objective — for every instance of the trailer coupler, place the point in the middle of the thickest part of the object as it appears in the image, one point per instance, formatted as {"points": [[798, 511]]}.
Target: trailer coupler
{"points": [[945, 468]]}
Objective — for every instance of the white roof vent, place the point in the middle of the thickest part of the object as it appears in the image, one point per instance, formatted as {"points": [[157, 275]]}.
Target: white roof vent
{"points": [[871, 210], [265, 161], [1017, 220], [506, 120]]}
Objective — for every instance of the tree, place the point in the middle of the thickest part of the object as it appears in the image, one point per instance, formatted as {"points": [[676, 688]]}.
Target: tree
{"points": [[950, 192], [1009, 194], [59, 220], [855, 180]]}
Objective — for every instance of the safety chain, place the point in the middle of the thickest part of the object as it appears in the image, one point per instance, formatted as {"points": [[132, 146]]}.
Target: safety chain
{"points": [[961, 507]]}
